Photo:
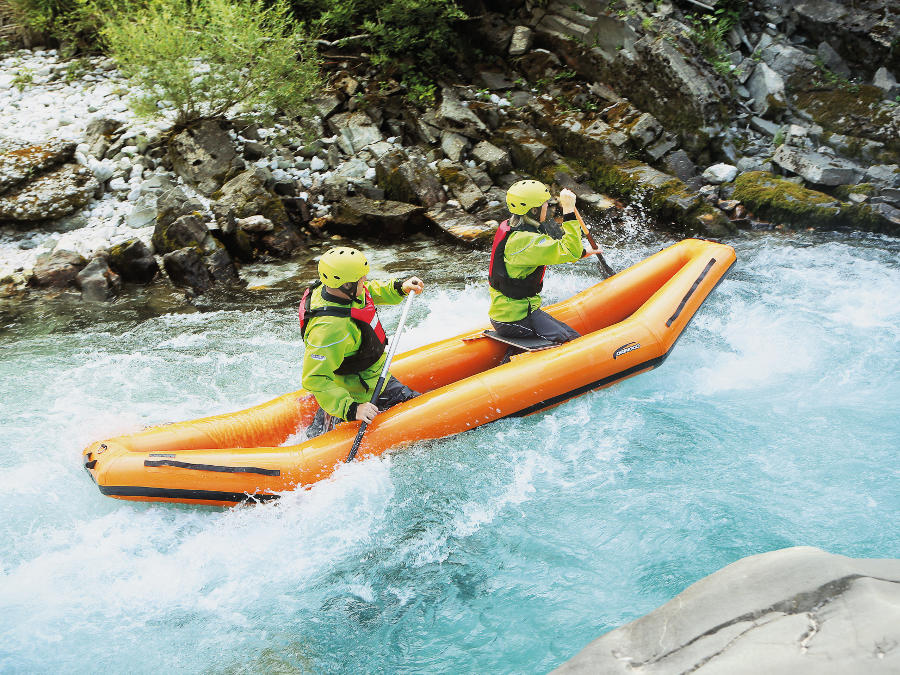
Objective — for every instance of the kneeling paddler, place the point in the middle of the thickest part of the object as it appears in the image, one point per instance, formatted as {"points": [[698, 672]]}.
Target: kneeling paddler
{"points": [[523, 246], [345, 342]]}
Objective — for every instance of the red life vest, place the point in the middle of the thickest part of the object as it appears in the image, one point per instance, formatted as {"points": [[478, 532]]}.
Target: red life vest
{"points": [[498, 275], [374, 338]]}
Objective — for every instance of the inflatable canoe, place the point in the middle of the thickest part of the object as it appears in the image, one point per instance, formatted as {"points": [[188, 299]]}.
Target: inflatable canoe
{"points": [[628, 323]]}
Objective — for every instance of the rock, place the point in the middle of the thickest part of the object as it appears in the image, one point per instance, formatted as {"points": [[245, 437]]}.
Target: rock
{"points": [[56, 269], [466, 190], [189, 230], [495, 81], [143, 213], [173, 203], [767, 89], [665, 143], [204, 156], [326, 105], [255, 224], [497, 160], [645, 130], [133, 261], [816, 168], [884, 174], [679, 164], [185, 267], [246, 195], [381, 217], [100, 133], [19, 164], [356, 130], [784, 201], [521, 40], [282, 242], [886, 81], [254, 151], [221, 267], [658, 77], [460, 225], [453, 145], [797, 610], [97, 281], [408, 179], [892, 195], [792, 64], [862, 32], [764, 126], [664, 196], [51, 195], [833, 60], [526, 149], [454, 116], [720, 173]]}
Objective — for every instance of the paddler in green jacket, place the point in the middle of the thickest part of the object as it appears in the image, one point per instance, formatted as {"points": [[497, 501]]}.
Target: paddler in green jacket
{"points": [[523, 246], [345, 343]]}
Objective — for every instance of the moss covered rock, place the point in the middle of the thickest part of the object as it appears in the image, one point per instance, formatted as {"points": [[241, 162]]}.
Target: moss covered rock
{"points": [[787, 202]]}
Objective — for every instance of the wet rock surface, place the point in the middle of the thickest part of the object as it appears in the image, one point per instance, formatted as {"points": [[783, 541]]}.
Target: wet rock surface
{"points": [[797, 610]]}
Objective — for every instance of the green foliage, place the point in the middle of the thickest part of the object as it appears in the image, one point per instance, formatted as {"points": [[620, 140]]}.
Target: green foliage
{"points": [[70, 21], [828, 78], [419, 89], [708, 32], [206, 57], [779, 138], [418, 29], [420, 33], [22, 79]]}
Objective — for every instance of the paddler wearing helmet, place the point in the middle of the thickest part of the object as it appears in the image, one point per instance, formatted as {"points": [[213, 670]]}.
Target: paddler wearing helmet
{"points": [[523, 246], [345, 342]]}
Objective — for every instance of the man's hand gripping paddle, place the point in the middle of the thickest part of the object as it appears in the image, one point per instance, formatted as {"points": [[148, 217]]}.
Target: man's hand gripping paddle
{"points": [[605, 269], [384, 375]]}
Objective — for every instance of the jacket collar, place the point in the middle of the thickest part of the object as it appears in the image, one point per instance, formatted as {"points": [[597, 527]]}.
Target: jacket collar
{"points": [[330, 297]]}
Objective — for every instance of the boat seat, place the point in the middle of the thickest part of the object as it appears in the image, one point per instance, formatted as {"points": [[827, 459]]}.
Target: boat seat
{"points": [[528, 344]]}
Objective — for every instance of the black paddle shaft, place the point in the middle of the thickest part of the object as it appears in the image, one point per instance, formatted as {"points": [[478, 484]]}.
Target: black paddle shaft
{"points": [[384, 374], [364, 425], [605, 269]]}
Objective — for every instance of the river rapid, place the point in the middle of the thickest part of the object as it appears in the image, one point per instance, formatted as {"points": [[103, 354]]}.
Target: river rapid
{"points": [[775, 422]]}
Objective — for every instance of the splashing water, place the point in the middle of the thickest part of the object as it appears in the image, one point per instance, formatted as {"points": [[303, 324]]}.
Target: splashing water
{"points": [[775, 422]]}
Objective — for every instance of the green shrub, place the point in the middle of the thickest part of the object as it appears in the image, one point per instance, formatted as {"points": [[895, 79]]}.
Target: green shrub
{"points": [[421, 33], [73, 22], [206, 57]]}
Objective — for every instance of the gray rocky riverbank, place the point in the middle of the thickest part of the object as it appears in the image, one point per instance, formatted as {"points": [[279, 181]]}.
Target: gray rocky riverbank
{"points": [[786, 121], [797, 610]]}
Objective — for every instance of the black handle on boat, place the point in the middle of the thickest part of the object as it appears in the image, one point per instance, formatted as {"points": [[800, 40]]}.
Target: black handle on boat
{"points": [[384, 375], [605, 269]]}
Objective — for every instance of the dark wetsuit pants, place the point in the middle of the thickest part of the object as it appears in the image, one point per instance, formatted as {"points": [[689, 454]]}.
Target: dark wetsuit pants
{"points": [[537, 324], [393, 392]]}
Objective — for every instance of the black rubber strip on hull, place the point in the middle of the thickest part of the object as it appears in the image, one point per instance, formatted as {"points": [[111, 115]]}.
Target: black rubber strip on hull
{"points": [[651, 363], [622, 374], [171, 493], [212, 467], [687, 296]]}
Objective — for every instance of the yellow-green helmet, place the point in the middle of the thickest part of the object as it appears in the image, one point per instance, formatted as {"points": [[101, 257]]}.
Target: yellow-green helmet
{"points": [[524, 195], [342, 265]]}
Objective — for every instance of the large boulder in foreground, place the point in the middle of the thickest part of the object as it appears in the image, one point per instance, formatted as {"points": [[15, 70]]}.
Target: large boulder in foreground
{"points": [[798, 610]]}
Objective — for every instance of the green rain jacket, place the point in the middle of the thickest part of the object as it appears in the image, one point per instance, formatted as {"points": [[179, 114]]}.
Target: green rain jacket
{"points": [[329, 339], [525, 252]]}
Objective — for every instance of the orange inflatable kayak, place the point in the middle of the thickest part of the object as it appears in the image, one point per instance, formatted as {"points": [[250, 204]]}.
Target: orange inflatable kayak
{"points": [[628, 323]]}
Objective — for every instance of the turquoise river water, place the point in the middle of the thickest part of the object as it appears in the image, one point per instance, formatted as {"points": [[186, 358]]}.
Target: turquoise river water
{"points": [[775, 422]]}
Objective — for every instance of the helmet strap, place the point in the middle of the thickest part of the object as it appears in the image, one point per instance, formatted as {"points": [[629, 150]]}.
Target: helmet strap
{"points": [[349, 288]]}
